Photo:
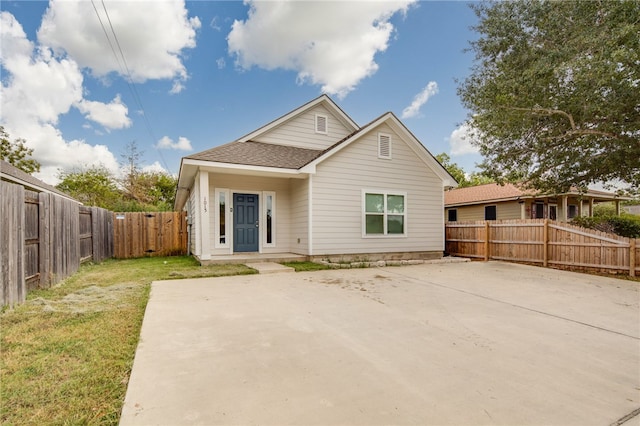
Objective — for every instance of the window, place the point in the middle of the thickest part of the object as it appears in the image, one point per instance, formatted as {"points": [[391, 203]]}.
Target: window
{"points": [[573, 211], [553, 211], [221, 218], [490, 213], [384, 146], [538, 211], [321, 124], [269, 219], [453, 215], [384, 213]]}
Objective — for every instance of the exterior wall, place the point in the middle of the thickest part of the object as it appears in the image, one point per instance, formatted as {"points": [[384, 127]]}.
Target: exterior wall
{"points": [[250, 184], [299, 216], [504, 210], [300, 131], [337, 199]]}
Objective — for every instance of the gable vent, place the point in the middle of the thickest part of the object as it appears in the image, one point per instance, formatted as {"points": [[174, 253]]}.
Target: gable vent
{"points": [[384, 146], [321, 124]]}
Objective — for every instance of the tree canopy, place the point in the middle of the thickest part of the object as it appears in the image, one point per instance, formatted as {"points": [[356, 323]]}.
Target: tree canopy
{"points": [[460, 175], [16, 153], [554, 93]]}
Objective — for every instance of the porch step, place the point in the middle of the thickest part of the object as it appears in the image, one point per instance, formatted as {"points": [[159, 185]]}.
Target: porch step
{"points": [[269, 267]]}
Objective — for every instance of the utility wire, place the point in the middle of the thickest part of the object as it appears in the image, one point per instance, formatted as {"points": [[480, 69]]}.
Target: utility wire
{"points": [[125, 71]]}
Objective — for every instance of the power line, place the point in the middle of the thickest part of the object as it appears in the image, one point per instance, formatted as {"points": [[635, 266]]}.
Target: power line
{"points": [[125, 71]]}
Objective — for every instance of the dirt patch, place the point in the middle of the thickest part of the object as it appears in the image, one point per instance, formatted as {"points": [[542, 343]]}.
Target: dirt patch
{"points": [[89, 299]]}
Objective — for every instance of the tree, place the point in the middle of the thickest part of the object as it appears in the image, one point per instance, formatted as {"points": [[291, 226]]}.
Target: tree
{"points": [[95, 186], [554, 93], [17, 153], [474, 179]]}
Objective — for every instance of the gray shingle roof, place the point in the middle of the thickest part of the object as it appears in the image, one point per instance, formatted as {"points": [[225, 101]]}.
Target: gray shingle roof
{"points": [[259, 154]]}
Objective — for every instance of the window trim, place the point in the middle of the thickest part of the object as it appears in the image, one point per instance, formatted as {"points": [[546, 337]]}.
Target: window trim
{"points": [[380, 136], [216, 220], [326, 124], [385, 194], [263, 219]]}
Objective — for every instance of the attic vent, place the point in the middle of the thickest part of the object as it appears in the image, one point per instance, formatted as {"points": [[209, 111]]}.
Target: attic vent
{"points": [[384, 146], [321, 124]]}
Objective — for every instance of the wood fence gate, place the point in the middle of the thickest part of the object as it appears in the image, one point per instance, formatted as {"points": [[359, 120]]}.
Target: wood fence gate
{"points": [[149, 234], [541, 241]]}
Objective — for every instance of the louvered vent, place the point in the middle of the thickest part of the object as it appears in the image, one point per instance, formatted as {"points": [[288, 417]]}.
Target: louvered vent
{"points": [[321, 124], [384, 146]]}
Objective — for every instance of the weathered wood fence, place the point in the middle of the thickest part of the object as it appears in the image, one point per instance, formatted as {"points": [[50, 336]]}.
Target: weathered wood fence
{"points": [[544, 242], [149, 234], [44, 238]]}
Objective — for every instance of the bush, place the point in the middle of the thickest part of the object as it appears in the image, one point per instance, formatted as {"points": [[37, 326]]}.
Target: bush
{"points": [[625, 225]]}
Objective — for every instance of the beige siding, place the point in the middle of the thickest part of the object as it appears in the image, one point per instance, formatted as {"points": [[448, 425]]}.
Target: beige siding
{"points": [[299, 216], [505, 210], [238, 183], [300, 131], [337, 198]]}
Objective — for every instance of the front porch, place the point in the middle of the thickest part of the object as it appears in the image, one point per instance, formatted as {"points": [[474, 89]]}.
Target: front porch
{"points": [[252, 258]]}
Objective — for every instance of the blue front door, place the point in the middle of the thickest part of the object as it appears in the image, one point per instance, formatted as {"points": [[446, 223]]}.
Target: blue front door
{"points": [[245, 222]]}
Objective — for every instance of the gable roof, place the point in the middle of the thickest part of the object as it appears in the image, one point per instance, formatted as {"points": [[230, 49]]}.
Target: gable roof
{"points": [[390, 119], [258, 154], [322, 99], [10, 173], [493, 192]]}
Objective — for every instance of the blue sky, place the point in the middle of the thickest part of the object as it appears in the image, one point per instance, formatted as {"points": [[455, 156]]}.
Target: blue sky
{"points": [[202, 73]]}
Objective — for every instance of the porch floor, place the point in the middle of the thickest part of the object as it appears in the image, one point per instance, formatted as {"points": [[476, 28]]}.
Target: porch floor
{"points": [[253, 258]]}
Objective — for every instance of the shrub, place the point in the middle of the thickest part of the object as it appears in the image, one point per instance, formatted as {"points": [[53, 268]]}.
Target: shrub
{"points": [[624, 225]]}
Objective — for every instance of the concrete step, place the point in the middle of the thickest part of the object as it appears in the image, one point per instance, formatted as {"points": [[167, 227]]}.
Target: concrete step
{"points": [[269, 267]]}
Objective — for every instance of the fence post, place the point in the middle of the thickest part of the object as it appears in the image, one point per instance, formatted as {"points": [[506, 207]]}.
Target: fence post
{"points": [[632, 257], [545, 244], [487, 255]]}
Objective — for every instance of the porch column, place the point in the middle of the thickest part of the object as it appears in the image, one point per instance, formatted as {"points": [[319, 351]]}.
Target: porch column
{"points": [[580, 201], [565, 208], [590, 207], [617, 207], [523, 210], [205, 208]]}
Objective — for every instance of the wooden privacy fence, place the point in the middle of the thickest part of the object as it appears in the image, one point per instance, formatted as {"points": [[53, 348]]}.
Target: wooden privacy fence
{"points": [[149, 234], [43, 239], [545, 242]]}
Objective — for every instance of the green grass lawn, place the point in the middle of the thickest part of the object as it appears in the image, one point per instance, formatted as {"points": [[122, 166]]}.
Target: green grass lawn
{"points": [[306, 266], [67, 352]]}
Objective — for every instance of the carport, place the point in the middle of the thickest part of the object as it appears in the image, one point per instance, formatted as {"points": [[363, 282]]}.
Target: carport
{"points": [[455, 343]]}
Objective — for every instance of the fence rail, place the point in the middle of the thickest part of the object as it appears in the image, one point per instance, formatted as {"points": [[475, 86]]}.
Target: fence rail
{"points": [[545, 242]]}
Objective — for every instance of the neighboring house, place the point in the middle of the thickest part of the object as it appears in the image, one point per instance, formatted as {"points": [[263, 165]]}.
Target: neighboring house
{"points": [[314, 183], [493, 201], [632, 209], [10, 173]]}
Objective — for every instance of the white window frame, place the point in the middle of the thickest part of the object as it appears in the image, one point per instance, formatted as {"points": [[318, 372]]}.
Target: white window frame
{"points": [[228, 219], [380, 136], [263, 219], [385, 233], [326, 124]]}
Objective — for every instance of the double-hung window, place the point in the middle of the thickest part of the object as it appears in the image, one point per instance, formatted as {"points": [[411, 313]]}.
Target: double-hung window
{"points": [[384, 213]]}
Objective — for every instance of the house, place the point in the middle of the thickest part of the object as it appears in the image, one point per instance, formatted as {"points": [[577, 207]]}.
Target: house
{"points": [[493, 201], [314, 183], [12, 174]]}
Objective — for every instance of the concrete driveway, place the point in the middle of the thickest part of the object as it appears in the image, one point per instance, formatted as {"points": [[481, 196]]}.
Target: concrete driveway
{"points": [[439, 344]]}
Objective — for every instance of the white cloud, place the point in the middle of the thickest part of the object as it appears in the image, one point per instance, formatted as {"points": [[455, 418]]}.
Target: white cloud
{"points": [[221, 63], [460, 140], [112, 115], [214, 24], [329, 43], [420, 99], [152, 37], [183, 144], [156, 167], [36, 90]]}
